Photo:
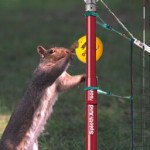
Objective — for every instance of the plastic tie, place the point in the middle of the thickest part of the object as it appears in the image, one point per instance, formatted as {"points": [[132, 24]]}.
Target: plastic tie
{"points": [[110, 28], [99, 91], [89, 13], [91, 88], [106, 26]]}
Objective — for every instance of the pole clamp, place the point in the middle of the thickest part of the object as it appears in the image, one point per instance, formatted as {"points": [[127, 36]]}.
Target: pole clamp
{"points": [[90, 5], [91, 1]]}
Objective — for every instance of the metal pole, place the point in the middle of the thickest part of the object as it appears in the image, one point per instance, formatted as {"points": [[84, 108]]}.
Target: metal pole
{"points": [[91, 80], [132, 102], [143, 78], [143, 54]]}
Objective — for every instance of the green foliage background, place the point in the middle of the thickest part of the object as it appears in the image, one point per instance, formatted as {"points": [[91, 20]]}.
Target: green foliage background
{"points": [[26, 24]]}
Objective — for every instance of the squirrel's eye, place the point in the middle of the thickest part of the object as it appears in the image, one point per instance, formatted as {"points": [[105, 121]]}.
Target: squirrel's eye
{"points": [[50, 51]]}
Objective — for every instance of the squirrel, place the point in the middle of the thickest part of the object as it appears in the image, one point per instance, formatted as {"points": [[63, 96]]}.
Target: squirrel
{"points": [[48, 81]]}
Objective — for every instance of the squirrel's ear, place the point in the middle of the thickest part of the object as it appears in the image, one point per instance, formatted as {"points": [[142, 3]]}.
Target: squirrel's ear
{"points": [[41, 50]]}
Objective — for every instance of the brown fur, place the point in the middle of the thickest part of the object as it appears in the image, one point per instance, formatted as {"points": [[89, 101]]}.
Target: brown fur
{"points": [[49, 79]]}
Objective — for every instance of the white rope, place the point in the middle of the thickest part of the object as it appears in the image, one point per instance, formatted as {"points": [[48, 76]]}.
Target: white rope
{"points": [[136, 41], [118, 20]]}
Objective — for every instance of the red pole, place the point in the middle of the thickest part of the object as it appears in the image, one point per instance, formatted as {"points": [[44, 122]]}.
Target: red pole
{"points": [[91, 81]]}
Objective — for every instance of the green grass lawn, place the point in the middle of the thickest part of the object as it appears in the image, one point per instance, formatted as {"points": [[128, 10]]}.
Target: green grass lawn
{"points": [[26, 24]]}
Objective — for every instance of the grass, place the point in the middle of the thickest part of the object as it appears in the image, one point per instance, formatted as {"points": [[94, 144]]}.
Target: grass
{"points": [[24, 25], [3, 121]]}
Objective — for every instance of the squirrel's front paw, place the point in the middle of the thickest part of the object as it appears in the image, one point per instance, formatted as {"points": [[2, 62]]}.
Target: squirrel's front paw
{"points": [[83, 78]]}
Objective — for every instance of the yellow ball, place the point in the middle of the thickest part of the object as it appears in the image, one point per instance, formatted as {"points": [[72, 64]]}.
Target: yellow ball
{"points": [[81, 49]]}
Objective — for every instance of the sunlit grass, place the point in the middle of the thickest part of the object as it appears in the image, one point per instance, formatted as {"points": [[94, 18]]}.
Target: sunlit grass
{"points": [[3, 122]]}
